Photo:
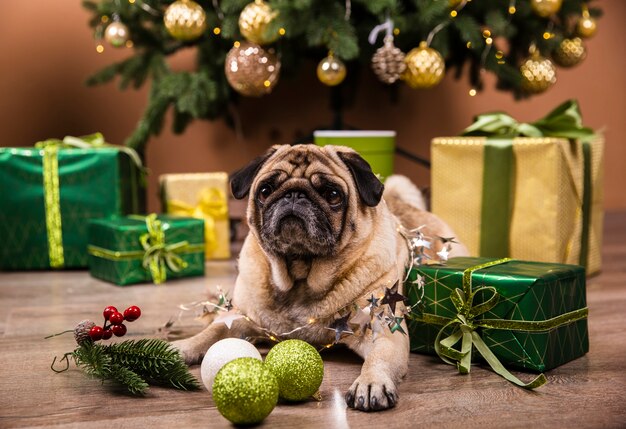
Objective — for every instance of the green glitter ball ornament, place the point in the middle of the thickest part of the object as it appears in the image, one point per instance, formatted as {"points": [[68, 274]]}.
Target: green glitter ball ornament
{"points": [[298, 367], [245, 391]]}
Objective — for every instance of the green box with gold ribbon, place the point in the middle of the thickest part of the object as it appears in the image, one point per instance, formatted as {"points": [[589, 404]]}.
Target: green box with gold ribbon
{"points": [[139, 249], [518, 314], [50, 191]]}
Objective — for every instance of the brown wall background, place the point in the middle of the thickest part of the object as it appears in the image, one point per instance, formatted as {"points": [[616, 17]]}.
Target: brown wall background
{"points": [[47, 52]]}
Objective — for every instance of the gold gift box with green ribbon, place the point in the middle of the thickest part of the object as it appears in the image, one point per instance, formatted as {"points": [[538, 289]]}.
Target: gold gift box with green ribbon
{"points": [[526, 191], [139, 249], [50, 191], [513, 314], [203, 196]]}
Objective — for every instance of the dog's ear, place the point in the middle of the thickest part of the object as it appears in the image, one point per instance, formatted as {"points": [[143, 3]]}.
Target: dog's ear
{"points": [[241, 180], [367, 184]]}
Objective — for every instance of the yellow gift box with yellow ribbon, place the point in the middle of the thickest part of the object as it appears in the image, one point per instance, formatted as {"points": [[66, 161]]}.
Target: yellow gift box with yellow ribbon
{"points": [[202, 196], [525, 191]]}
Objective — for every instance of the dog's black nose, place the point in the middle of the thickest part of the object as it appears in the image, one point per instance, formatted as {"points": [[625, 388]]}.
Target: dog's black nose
{"points": [[293, 196]]}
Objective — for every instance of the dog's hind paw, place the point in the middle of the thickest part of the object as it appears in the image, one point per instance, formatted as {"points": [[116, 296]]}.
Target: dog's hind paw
{"points": [[187, 350], [372, 393]]}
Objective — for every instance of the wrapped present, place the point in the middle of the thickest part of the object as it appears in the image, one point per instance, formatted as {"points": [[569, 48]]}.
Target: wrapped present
{"points": [[49, 192], [137, 249], [519, 314], [526, 191], [203, 196]]}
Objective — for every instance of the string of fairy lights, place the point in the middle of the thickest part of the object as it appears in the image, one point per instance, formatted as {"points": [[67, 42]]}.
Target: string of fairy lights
{"points": [[252, 66]]}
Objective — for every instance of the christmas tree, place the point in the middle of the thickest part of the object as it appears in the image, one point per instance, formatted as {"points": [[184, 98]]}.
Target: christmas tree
{"points": [[243, 48]]}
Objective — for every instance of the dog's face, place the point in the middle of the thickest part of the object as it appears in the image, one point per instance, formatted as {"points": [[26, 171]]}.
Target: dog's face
{"points": [[304, 200]]}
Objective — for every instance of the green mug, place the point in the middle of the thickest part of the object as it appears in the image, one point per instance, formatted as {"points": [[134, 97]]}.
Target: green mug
{"points": [[376, 147]]}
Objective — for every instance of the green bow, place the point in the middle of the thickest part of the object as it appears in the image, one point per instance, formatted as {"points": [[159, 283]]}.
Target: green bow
{"points": [[565, 121], [158, 255]]}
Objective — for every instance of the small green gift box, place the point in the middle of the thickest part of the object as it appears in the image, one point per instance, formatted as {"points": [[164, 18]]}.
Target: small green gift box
{"points": [[519, 314], [138, 249], [50, 191]]}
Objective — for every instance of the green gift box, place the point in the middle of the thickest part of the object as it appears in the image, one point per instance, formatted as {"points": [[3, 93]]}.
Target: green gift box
{"points": [[528, 315], [139, 249], [50, 191]]}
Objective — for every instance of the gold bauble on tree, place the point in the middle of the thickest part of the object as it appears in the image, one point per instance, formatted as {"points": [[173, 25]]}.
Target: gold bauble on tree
{"points": [[569, 52], [331, 71], [117, 34], [586, 25], [254, 23], [425, 67], [388, 62], [545, 8], [538, 73], [185, 20], [251, 70]]}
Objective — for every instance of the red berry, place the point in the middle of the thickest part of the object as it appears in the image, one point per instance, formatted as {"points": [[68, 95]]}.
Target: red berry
{"points": [[106, 334], [108, 311], [95, 333], [116, 318], [119, 330], [132, 313]]}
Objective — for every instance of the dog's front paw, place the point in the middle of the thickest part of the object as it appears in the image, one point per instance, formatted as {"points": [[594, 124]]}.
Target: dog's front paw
{"points": [[188, 351], [372, 393]]}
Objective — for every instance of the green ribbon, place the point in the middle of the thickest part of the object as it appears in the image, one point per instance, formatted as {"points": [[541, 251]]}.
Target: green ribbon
{"points": [[156, 255], [464, 325], [563, 122]]}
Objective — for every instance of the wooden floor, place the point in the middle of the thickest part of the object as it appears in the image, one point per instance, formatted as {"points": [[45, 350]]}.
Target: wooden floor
{"points": [[589, 392]]}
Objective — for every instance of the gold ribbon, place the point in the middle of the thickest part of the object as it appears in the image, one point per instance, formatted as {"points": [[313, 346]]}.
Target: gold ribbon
{"points": [[211, 206], [464, 327]]}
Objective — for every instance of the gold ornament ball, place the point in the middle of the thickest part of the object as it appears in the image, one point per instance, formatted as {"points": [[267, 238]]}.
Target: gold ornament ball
{"points": [[425, 67], [570, 52], [388, 62], [586, 26], [116, 34], [185, 20], [251, 70], [454, 3], [538, 74], [254, 21], [331, 71], [545, 8]]}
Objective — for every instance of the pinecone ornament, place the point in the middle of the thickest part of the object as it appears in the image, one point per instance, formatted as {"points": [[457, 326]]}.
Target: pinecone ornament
{"points": [[81, 331], [388, 62]]}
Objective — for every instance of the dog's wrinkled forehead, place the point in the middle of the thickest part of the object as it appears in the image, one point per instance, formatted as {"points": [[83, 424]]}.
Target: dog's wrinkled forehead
{"points": [[301, 163]]}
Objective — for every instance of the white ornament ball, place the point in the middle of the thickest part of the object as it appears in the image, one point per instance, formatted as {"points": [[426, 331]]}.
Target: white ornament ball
{"points": [[222, 352]]}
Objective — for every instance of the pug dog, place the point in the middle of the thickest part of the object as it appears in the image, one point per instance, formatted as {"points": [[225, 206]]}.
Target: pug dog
{"points": [[325, 234]]}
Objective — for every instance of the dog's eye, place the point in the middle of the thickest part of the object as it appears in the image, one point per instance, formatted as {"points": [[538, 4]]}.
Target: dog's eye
{"points": [[332, 196], [264, 192]]}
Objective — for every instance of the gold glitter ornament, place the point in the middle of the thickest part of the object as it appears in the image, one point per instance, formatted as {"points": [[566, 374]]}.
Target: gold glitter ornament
{"points": [[586, 25], [245, 391], [425, 67], [538, 73], [116, 34], [545, 8], [185, 20], [298, 368], [251, 70], [331, 71], [569, 52], [388, 62], [254, 21]]}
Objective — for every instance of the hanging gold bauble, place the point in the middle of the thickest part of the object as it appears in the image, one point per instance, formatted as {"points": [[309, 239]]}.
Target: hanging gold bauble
{"points": [[185, 20], [586, 25], [116, 34], [569, 52], [425, 67], [538, 73], [454, 3], [254, 21], [545, 8], [251, 70], [388, 62], [331, 71]]}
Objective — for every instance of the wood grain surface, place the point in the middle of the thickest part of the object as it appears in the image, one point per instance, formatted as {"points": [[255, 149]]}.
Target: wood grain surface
{"points": [[589, 392]]}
